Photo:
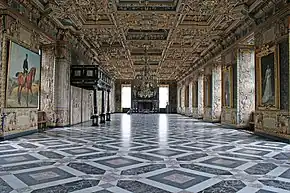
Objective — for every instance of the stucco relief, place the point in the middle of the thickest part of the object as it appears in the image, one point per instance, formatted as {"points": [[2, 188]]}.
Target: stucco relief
{"points": [[245, 86], [200, 96]]}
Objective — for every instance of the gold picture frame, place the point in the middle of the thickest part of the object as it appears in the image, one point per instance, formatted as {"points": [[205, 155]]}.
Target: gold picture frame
{"points": [[268, 78], [227, 86]]}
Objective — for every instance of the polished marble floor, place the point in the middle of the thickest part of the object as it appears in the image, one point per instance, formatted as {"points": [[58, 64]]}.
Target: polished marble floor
{"points": [[144, 153]]}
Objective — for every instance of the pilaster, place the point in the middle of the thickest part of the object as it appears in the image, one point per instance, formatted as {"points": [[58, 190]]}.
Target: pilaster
{"points": [[212, 92], [197, 111], [62, 84]]}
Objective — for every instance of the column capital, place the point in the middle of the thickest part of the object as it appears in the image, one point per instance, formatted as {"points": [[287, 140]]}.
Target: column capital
{"points": [[62, 50]]}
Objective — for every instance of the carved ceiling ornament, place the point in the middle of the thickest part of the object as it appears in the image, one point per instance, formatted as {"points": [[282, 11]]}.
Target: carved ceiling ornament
{"points": [[181, 35]]}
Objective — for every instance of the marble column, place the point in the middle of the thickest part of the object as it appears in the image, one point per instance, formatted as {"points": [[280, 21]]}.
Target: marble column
{"points": [[213, 111], [62, 84], [108, 114], [103, 115], [245, 85]]}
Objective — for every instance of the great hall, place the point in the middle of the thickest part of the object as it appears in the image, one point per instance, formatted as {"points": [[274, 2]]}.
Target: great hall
{"points": [[144, 96]]}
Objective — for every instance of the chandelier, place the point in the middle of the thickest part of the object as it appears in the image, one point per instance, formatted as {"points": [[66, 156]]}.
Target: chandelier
{"points": [[146, 82]]}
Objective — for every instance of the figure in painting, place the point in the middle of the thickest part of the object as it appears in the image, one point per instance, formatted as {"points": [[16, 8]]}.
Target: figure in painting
{"points": [[25, 81], [267, 84], [227, 90], [25, 64]]}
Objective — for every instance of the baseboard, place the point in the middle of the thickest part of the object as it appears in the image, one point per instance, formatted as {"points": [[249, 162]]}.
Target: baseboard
{"points": [[20, 134], [272, 137], [211, 121]]}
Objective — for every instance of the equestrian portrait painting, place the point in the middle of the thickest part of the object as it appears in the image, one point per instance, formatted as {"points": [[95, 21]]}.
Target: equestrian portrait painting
{"points": [[23, 78]]}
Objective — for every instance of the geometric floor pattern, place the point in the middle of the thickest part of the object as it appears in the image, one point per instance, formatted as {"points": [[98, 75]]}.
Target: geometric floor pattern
{"points": [[144, 154]]}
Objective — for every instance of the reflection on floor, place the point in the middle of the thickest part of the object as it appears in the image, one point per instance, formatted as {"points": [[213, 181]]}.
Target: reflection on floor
{"points": [[144, 153]]}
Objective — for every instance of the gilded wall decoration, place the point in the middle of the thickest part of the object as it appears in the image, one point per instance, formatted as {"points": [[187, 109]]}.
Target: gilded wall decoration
{"points": [[268, 75]]}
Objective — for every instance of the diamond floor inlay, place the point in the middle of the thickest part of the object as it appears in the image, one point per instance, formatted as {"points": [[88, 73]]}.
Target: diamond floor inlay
{"points": [[144, 154]]}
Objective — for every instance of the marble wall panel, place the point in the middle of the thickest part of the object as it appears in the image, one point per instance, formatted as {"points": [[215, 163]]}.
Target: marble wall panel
{"points": [[216, 92], [200, 96], [87, 105], [62, 85], [190, 99], [47, 103], [112, 98], [76, 106], [245, 86], [182, 99]]}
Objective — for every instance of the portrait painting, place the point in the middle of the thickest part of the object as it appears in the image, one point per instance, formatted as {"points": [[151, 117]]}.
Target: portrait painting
{"points": [[268, 86], [227, 87], [23, 77], [268, 79]]}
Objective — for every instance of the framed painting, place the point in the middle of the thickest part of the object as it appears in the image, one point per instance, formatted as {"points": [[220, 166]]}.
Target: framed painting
{"points": [[23, 77], [268, 78], [194, 94], [208, 91], [227, 80]]}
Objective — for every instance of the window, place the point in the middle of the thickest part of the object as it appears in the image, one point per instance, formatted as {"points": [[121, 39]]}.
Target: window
{"points": [[126, 97], [163, 96]]}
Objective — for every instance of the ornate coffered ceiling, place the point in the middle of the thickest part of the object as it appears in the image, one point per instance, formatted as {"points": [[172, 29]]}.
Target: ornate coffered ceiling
{"points": [[180, 34]]}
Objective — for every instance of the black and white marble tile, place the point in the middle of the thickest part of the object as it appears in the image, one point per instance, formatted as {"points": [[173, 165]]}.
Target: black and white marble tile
{"points": [[154, 153]]}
